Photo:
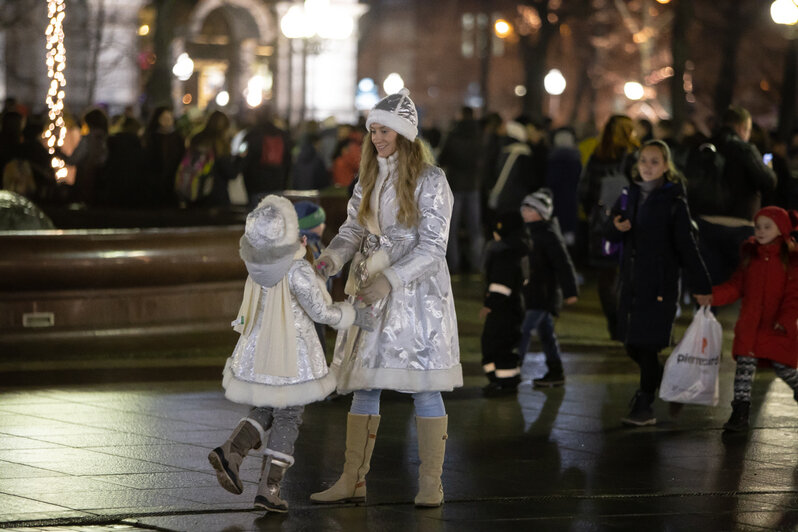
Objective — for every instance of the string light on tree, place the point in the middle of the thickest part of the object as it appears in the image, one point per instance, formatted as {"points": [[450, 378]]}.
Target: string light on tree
{"points": [[56, 63]]}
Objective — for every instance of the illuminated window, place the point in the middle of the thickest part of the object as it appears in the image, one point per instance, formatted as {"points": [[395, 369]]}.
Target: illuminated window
{"points": [[467, 44]]}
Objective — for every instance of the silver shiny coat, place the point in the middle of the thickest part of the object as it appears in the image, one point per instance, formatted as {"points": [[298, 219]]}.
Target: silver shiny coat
{"points": [[313, 381], [415, 346]]}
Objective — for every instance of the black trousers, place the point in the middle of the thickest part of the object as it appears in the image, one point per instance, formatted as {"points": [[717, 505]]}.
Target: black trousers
{"points": [[650, 367]]}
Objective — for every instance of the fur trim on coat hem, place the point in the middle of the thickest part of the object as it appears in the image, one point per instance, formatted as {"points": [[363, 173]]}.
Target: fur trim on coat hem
{"points": [[401, 380], [256, 394]]}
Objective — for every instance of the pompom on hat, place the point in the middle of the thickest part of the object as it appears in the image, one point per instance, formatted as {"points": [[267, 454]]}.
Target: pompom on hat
{"points": [[271, 239], [398, 112]]}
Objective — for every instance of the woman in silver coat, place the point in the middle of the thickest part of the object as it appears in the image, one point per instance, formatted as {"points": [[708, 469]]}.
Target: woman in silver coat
{"points": [[278, 364], [395, 236]]}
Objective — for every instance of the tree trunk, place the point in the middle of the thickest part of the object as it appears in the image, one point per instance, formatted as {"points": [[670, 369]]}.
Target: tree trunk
{"points": [[680, 52], [159, 84], [788, 89], [730, 44], [534, 51], [96, 47]]}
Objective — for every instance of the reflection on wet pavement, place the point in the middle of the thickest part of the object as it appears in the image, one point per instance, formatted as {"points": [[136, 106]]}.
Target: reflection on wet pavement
{"points": [[95, 457]]}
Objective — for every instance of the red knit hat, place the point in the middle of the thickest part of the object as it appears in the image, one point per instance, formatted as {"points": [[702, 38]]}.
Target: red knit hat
{"points": [[780, 217]]}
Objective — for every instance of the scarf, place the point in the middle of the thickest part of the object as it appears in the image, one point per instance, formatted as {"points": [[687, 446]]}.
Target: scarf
{"points": [[275, 346], [387, 167], [647, 187]]}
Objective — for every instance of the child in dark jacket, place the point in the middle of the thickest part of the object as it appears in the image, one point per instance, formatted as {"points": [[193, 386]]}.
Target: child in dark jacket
{"points": [[503, 309], [551, 278], [656, 230], [766, 331]]}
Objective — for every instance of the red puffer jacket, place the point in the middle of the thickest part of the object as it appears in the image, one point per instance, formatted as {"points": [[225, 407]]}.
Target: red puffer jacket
{"points": [[769, 293]]}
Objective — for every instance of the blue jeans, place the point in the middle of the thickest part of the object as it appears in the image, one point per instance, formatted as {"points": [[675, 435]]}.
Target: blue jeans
{"points": [[466, 205], [543, 322], [428, 404]]}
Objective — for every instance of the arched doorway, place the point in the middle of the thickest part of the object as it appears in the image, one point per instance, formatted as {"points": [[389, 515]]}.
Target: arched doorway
{"points": [[231, 43]]}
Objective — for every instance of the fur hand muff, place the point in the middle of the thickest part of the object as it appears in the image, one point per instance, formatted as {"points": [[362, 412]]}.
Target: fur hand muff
{"points": [[375, 289]]}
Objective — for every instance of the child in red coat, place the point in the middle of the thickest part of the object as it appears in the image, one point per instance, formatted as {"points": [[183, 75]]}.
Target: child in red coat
{"points": [[766, 330]]}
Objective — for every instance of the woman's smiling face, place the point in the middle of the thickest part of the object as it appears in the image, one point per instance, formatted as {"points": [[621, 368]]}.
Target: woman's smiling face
{"points": [[384, 139]]}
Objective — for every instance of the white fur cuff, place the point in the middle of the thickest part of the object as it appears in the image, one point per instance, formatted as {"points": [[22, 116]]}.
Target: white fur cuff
{"points": [[347, 316], [281, 459], [390, 274], [261, 432], [500, 289], [331, 258]]}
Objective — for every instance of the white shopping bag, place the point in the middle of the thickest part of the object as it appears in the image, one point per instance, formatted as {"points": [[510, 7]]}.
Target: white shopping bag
{"points": [[691, 372]]}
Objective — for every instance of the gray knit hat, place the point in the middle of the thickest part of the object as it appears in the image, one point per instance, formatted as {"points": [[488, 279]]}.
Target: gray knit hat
{"points": [[398, 112], [540, 201]]}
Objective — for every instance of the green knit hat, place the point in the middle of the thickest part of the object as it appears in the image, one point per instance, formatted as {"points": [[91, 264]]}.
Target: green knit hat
{"points": [[310, 215]]}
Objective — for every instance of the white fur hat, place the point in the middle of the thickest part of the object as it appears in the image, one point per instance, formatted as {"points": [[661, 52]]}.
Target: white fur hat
{"points": [[271, 235], [398, 112]]}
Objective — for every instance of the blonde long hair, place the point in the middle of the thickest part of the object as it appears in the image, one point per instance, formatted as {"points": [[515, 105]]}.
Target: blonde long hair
{"points": [[412, 158]]}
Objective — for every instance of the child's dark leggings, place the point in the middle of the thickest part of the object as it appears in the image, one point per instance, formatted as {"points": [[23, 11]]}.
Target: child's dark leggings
{"points": [[650, 368], [744, 377]]}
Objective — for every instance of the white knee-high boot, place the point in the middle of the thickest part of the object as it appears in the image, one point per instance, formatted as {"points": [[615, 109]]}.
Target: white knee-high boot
{"points": [[361, 434], [431, 451]]}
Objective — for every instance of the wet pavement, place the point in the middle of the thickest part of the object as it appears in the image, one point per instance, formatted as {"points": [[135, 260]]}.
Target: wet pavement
{"points": [[133, 455]]}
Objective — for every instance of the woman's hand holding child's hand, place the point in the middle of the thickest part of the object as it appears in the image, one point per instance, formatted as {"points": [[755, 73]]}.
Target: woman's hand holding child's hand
{"points": [[323, 269], [622, 224], [365, 318]]}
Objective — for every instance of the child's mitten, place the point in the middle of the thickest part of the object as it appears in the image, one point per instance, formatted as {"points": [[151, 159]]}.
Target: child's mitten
{"points": [[365, 318]]}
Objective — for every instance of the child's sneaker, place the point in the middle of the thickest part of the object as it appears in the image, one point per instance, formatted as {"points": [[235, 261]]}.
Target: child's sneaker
{"points": [[549, 380]]}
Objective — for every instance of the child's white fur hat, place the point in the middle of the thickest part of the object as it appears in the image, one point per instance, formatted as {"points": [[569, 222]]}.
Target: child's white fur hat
{"points": [[271, 234]]}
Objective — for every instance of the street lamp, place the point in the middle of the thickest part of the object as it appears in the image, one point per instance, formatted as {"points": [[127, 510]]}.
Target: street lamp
{"points": [[554, 83], [634, 90], [785, 12], [393, 83], [311, 22], [184, 67], [502, 28]]}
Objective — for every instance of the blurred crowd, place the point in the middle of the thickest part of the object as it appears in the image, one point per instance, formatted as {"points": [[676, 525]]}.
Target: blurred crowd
{"points": [[212, 160], [126, 161]]}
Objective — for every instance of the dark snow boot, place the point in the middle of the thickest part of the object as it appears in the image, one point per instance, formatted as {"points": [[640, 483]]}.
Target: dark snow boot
{"points": [[738, 421], [227, 458]]}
